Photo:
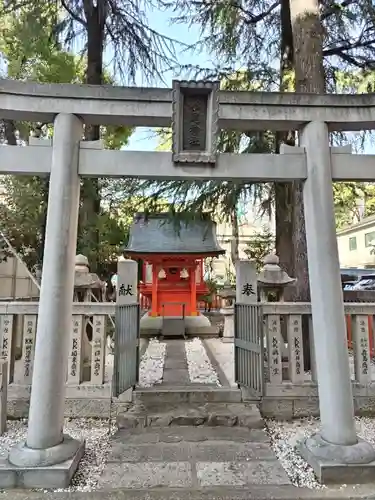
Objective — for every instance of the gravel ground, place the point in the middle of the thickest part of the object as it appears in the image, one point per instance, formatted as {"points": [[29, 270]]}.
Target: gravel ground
{"points": [[152, 364], [285, 436], [96, 433], [199, 366]]}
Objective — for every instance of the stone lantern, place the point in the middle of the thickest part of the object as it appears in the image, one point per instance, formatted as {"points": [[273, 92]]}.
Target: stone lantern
{"points": [[87, 286], [228, 294], [273, 279]]}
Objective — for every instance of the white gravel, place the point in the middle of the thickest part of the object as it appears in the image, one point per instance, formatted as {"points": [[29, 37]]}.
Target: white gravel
{"points": [[200, 368], [95, 432], [152, 364], [286, 435]]}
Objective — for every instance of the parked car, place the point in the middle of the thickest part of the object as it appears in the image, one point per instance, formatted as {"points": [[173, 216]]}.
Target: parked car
{"points": [[348, 285], [353, 277], [364, 283]]}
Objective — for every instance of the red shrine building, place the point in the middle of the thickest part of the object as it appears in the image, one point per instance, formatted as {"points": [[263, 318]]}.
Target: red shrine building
{"points": [[172, 267]]}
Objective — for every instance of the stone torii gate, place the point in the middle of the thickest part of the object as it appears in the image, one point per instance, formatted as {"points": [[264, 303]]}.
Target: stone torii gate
{"points": [[197, 111]]}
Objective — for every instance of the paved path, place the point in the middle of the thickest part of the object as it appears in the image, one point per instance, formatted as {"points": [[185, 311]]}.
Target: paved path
{"points": [[175, 364], [176, 372], [191, 457]]}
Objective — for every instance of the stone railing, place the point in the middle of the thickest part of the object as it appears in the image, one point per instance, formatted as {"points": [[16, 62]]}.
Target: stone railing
{"points": [[290, 390], [90, 365]]}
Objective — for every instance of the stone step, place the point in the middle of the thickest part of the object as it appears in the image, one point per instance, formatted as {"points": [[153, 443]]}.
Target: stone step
{"points": [[193, 393], [207, 414], [151, 435], [177, 450]]}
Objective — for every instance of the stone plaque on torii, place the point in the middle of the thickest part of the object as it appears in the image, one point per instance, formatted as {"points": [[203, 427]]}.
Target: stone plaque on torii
{"points": [[195, 112]]}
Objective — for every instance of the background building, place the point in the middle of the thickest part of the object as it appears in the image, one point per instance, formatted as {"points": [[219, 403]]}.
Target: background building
{"points": [[356, 244], [251, 224]]}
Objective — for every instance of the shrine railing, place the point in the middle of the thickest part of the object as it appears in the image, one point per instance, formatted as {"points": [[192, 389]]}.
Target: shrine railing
{"points": [[289, 334], [287, 329], [215, 303], [90, 364], [290, 367]]}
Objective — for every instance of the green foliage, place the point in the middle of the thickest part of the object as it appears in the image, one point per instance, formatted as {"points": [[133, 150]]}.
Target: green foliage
{"points": [[113, 236], [349, 197], [261, 245], [32, 52], [213, 287], [247, 34], [22, 216], [121, 27]]}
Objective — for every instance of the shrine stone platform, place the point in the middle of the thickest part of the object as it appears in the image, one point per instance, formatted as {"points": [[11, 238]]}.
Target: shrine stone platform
{"points": [[195, 326]]}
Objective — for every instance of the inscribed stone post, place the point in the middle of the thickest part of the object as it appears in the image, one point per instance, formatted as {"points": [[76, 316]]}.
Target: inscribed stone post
{"points": [[6, 335], [75, 361], [127, 282], [98, 350], [29, 333], [295, 347], [126, 335], [3, 396], [246, 282], [273, 334], [362, 354]]}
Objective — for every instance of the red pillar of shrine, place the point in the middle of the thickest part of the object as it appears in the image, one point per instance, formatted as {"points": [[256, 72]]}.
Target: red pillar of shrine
{"points": [[193, 289], [154, 296]]}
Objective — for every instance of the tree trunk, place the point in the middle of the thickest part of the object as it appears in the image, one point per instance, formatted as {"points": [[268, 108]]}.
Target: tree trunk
{"points": [[90, 191], [309, 75], [10, 133], [283, 190], [45, 189], [234, 242]]}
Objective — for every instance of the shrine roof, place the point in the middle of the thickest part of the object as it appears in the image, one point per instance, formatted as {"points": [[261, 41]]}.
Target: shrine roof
{"points": [[159, 234]]}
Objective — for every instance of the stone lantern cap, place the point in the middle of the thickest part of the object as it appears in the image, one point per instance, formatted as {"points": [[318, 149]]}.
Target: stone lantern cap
{"points": [[227, 292], [82, 263], [272, 275], [83, 278]]}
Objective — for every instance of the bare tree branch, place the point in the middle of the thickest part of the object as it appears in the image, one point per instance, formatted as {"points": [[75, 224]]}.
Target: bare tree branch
{"points": [[336, 8], [73, 14]]}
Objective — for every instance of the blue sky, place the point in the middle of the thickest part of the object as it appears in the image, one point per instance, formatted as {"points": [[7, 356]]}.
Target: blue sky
{"points": [[143, 138]]}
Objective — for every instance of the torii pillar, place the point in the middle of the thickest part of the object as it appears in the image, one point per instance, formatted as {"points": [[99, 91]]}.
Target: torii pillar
{"points": [[46, 445], [336, 453]]}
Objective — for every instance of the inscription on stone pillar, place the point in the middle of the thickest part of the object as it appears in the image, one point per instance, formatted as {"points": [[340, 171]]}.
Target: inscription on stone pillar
{"points": [[6, 332], [195, 122], [28, 348], [362, 355], [295, 346], [98, 350], [75, 350], [274, 349]]}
